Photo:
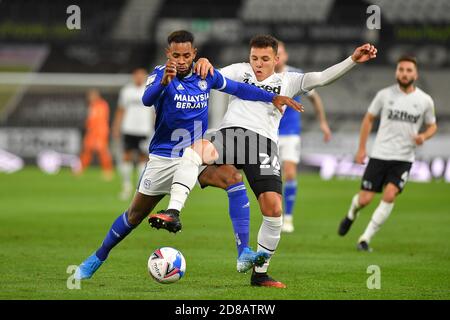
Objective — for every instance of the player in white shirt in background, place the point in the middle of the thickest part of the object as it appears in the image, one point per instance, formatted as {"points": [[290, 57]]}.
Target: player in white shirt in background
{"points": [[135, 124], [402, 108], [289, 143]]}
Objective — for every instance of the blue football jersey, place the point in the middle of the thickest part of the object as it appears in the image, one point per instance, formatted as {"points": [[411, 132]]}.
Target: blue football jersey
{"points": [[182, 108], [290, 123]]}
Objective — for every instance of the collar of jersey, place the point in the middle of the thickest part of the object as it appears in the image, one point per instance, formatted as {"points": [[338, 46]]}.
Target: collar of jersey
{"points": [[404, 93]]}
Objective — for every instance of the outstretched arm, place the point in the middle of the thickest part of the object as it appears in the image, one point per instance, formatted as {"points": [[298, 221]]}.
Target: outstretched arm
{"points": [[317, 79]]}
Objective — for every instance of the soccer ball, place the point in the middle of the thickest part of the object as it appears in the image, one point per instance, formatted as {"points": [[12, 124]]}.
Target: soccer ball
{"points": [[166, 265]]}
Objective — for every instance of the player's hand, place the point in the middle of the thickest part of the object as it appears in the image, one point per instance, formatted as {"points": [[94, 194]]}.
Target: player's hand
{"points": [[364, 53], [326, 131], [280, 101], [419, 139], [202, 67], [170, 72], [360, 156]]}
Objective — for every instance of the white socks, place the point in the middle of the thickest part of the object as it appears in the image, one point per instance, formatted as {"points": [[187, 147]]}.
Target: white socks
{"points": [[354, 208], [268, 238], [184, 179], [380, 215]]}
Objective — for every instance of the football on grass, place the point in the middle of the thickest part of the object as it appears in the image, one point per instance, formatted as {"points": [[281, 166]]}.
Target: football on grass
{"points": [[166, 265]]}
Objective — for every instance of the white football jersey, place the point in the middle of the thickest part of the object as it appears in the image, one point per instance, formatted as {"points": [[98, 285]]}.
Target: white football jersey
{"points": [[401, 117], [138, 120], [260, 117]]}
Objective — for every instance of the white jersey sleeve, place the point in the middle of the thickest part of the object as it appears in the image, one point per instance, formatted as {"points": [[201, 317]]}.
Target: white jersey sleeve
{"points": [[376, 104], [327, 76], [429, 115], [232, 71], [294, 84]]}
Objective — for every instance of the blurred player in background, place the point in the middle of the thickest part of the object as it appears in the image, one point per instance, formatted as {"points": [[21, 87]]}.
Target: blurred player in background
{"points": [[135, 123], [180, 98], [254, 134], [403, 108], [289, 142], [96, 138]]}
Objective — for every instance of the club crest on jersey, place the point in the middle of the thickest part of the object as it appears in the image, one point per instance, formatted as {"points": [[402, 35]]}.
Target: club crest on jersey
{"points": [[203, 85]]}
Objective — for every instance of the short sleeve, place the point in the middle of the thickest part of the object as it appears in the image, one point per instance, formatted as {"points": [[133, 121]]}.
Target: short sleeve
{"points": [[430, 116], [376, 104]]}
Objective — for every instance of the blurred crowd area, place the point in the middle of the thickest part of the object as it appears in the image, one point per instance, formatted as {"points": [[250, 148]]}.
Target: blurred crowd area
{"points": [[46, 68]]}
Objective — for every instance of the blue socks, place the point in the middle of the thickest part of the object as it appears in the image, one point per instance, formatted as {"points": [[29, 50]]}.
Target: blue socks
{"points": [[119, 230], [290, 193], [239, 209]]}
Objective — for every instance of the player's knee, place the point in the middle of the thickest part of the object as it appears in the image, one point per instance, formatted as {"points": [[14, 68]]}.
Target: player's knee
{"points": [[390, 192], [234, 178], [209, 153], [290, 170], [389, 196], [272, 211], [270, 205], [365, 199], [290, 175]]}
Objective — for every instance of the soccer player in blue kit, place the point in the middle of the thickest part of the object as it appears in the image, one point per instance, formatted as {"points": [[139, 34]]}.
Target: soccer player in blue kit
{"points": [[180, 98]]}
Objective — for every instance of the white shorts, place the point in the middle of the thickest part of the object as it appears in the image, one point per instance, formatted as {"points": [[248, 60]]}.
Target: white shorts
{"points": [[156, 179], [289, 148]]}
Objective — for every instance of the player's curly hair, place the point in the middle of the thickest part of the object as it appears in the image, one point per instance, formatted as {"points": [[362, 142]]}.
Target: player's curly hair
{"points": [[264, 41], [180, 36]]}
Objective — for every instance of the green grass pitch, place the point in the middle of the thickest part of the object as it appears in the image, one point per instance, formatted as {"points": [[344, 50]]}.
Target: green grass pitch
{"points": [[48, 223]]}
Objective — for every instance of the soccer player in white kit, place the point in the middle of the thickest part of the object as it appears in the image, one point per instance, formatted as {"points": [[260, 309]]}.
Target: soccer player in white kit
{"points": [[247, 139], [135, 123], [289, 142], [403, 108]]}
